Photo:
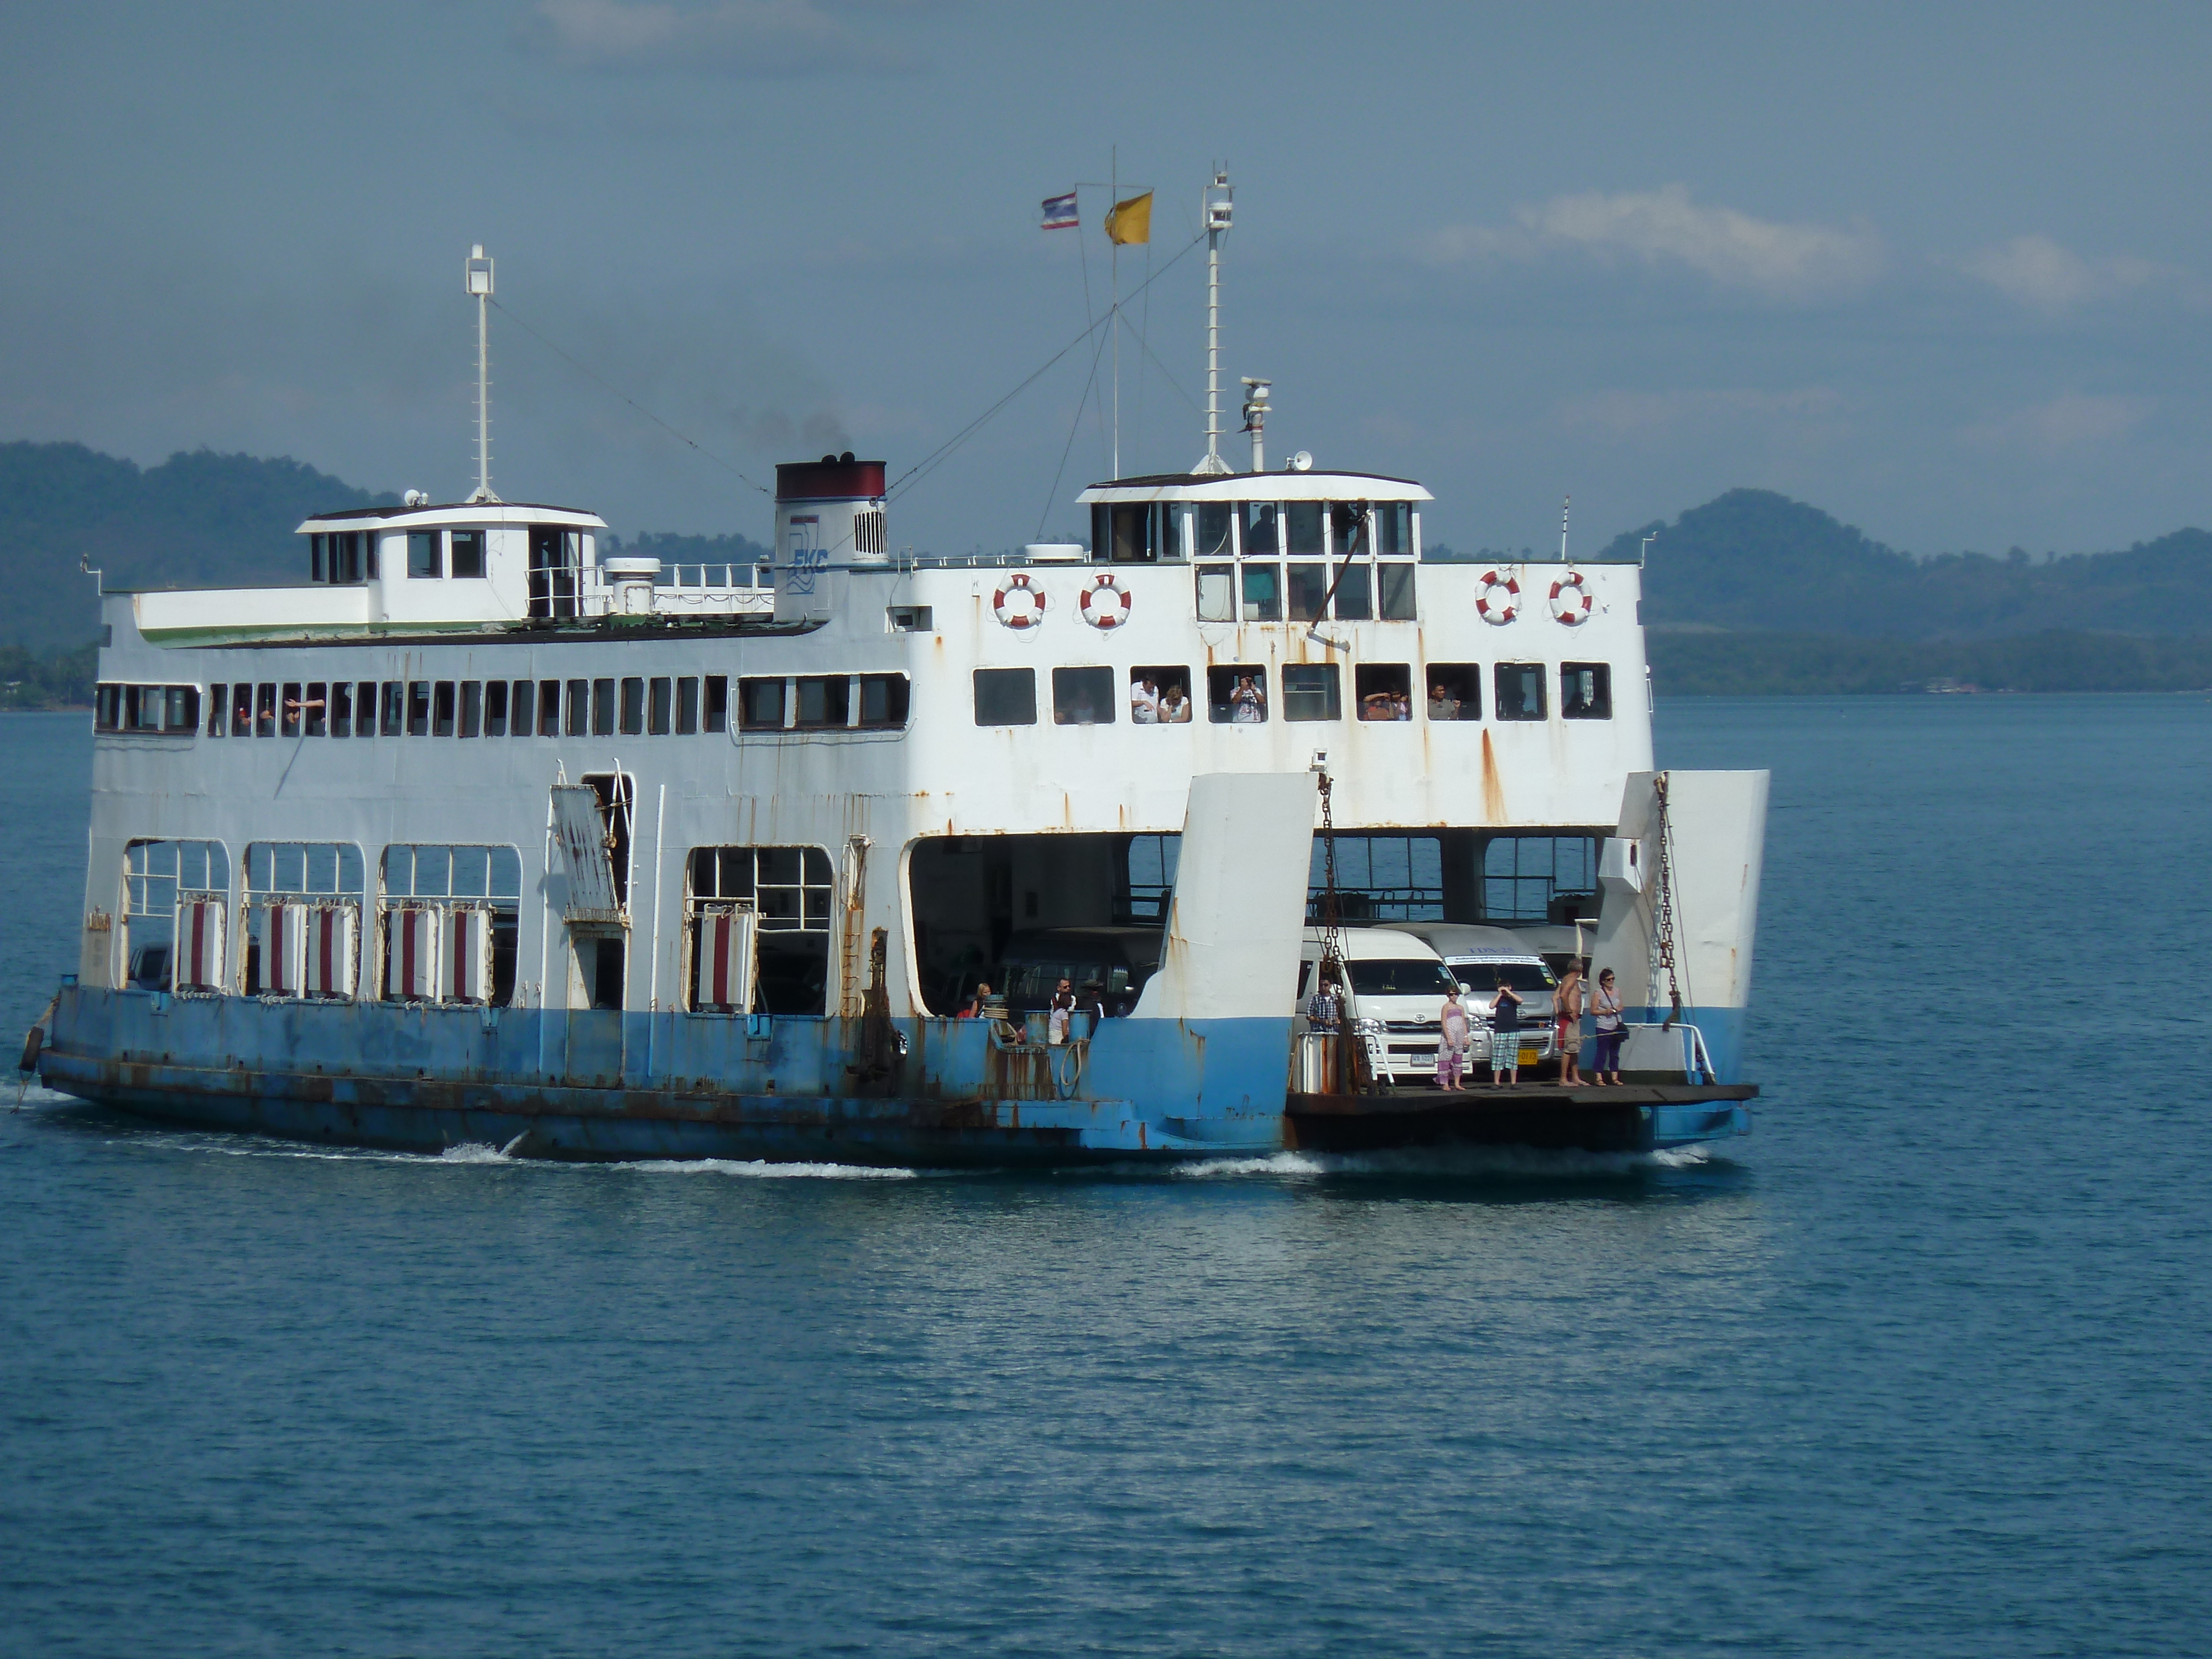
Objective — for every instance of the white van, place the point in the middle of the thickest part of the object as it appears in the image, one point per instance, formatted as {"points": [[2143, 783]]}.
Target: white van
{"points": [[1395, 1000], [1485, 958]]}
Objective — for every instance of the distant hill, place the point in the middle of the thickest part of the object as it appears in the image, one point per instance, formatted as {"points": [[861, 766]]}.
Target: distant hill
{"points": [[199, 518], [1752, 561]]}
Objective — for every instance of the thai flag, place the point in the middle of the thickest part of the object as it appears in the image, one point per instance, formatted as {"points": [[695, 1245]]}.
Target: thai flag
{"points": [[1060, 212]]}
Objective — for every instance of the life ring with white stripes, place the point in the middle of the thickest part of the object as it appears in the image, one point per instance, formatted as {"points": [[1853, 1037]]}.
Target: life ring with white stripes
{"points": [[1504, 606], [1020, 605], [1571, 599], [1105, 604]]}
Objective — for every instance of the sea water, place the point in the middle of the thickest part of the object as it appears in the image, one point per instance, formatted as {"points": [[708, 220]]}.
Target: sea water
{"points": [[1919, 1368]]}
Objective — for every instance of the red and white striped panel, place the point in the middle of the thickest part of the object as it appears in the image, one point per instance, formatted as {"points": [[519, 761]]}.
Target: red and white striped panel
{"points": [[280, 932], [199, 944], [330, 955], [464, 967], [410, 967], [725, 960]]}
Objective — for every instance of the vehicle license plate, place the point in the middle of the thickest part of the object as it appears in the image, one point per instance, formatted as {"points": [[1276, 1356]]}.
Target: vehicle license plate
{"points": [[1530, 1056]]}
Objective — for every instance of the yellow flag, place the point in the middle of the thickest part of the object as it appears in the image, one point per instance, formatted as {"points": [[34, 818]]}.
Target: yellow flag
{"points": [[1131, 221]]}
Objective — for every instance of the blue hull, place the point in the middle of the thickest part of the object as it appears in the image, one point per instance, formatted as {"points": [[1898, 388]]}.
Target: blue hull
{"points": [[667, 1086]]}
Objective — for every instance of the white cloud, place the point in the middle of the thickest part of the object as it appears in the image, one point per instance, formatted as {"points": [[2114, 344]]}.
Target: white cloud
{"points": [[2071, 422], [1776, 260], [2039, 273], [729, 37]]}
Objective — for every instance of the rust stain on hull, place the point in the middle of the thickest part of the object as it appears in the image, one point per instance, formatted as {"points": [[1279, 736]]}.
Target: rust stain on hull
{"points": [[1493, 791]]}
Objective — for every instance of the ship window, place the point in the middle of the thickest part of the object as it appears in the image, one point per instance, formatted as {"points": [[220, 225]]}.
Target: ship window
{"points": [[1454, 691], [442, 710], [911, 618], [423, 561], [1174, 531], [472, 707], [760, 705], [1585, 691], [1346, 530], [1520, 691], [468, 553], [1259, 530], [1134, 534], [241, 711], [1397, 584], [364, 544], [265, 709], [364, 710], [172, 709], [391, 717], [824, 700], [315, 557], [1083, 696], [418, 708], [1215, 540], [556, 556], [580, 708], [1237, 693], [1310, 692], [633, 707], [314, 710], [1381, 878], [716, 693], [1393, 528], [790, 889], [549, 708], [1539, 878], [1263, 593], [687, 705], [656, 709], [1302, 528], [1159, 696], [218, 705], [1217, 592], [341, 713], [301, 918], [1355, 591], [1006, 697], [448, 924], [495, 708], [602, 708], [1385, 690], [883, 700], [1309, 592], [164, 883], [288, 710]]}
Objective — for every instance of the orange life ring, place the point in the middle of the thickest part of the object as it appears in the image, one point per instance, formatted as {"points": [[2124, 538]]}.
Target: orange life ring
{"points": [[1105, 604], [1575, 593], [1020, 605], [1498, 612]]}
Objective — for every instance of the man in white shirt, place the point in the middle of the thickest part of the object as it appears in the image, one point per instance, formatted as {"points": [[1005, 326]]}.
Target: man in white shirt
{"points": [[1145, 701]]}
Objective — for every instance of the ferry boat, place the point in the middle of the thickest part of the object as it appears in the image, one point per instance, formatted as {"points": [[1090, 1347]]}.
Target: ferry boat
{"points": [[482, 834]]}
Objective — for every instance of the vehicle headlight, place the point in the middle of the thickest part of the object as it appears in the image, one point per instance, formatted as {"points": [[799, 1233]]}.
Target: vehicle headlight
{"points": [[1367, 1027]]}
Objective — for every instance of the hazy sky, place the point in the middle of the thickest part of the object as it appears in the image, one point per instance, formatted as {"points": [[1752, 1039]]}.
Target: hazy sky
{"points": [[1946, 272]]}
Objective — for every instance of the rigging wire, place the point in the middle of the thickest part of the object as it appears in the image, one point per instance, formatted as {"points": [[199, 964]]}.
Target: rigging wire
{"points": [[607, 385], [1073, 427], [930, 462]]}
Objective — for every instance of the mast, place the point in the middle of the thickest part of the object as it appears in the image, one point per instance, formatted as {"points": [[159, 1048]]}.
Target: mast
{"points": [[477, 271], [1114, 279], [1214, 209]]}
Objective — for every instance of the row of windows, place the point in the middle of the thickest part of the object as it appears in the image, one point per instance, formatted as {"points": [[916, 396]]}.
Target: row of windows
{"points": [[1141, 533], [350, 556], [444, 926], [1237, 693], [1256, 592], [146, 708], [636, 706]]}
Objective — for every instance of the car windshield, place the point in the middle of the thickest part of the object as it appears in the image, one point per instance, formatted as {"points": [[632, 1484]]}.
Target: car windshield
{"points": [[1489, 975], [1407, 976]]}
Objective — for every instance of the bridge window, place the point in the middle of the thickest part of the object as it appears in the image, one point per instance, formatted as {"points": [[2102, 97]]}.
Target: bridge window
{"points": [[1083, 696], [1237, 693], [1216, 526], [1263, 593], [1386, 690], [1310, 692], [1393, 528], [1454, 691], [556, 557], [1217, 592], [1585, 691], [423, 554], [1396, 581], [1260, 537], [1006, 697], [1520, 690], [1160, 696], [1355, 590], [468, 552]]}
